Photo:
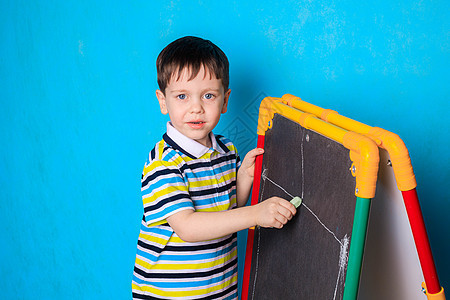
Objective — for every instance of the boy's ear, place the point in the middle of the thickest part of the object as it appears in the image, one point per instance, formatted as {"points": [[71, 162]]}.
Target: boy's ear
{"points": [[225, 101], [162, 102]]}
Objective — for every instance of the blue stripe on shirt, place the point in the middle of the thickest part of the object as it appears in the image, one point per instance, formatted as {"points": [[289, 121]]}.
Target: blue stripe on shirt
{"points": [[189, 283]]}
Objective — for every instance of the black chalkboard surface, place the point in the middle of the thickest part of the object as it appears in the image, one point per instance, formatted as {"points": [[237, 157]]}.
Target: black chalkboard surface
{"points": [[307, 259]]}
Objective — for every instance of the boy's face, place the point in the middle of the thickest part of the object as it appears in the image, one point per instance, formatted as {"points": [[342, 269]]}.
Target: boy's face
{"points": [[194, 106]]}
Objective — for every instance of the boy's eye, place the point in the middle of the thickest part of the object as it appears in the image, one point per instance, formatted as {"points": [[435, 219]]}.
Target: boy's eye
{"points": [[181, 96], [209, 96]]}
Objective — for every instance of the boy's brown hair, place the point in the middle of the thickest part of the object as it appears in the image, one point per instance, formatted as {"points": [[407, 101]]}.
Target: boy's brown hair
{"points": [[192, 53]]}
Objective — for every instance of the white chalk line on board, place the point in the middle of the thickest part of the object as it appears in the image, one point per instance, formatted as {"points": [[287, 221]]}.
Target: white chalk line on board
{"points": [[303, 170], [264, 176], [257, 247], [342, 263], [343, 255]]}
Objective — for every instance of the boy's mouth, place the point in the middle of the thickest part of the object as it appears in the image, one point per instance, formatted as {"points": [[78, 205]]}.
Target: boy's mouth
{"points": [[196, 124]]}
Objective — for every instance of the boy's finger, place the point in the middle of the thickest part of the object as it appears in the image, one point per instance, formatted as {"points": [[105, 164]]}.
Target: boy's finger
{"points": [[278, 224], [255, 152], [284, 212], [282, 219], [288, 205]]}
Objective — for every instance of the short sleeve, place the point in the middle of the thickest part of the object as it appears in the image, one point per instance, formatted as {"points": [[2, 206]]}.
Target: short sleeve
{"points": [[228, 146], [234, 150], [238, 161], [164, 192]]}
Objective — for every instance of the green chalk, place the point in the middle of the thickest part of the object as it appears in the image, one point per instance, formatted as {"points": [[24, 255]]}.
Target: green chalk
{"points": [[296, 201]]}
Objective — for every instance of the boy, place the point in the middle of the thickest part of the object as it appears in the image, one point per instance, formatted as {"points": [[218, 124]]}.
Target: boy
{"points": [[194, 197]]}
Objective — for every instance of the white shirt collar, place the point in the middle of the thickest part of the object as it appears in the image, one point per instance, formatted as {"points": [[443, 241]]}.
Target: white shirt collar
{"points": [[191, 146]]}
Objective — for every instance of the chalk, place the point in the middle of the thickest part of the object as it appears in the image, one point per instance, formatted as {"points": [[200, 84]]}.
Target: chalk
{"points": [[296, 201]]}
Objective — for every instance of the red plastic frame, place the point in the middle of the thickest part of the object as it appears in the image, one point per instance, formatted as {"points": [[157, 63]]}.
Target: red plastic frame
{"points": [[421, 238], [251, 232]]}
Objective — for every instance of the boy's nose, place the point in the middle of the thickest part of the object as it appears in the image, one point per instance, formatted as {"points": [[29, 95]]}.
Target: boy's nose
{"points": [[196, 106]]}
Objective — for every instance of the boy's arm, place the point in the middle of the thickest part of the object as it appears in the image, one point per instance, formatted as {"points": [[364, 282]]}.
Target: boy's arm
{"points": [[193, 226], [245, 176]]}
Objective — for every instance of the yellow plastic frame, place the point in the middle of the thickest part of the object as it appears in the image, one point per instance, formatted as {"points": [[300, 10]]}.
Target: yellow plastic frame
{"points": [[363, 151], [401, 161], [438, 296]]}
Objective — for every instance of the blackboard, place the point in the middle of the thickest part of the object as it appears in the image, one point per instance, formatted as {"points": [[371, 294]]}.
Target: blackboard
{"points": [[307, 259]]}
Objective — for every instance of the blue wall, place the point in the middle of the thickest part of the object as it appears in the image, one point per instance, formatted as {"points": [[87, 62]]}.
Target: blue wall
{"points": [[78, 114]]}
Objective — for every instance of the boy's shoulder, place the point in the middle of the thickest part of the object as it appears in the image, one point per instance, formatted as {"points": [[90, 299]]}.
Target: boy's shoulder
{"points": [[161, 152], [225, 143]]}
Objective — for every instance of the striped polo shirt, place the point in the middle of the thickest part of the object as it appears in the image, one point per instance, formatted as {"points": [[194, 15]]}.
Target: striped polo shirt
{"points": [[182, 174]]}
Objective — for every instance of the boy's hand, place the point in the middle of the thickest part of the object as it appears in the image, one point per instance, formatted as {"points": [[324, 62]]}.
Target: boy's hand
{"points": [[245, 176], [248, 164], [274, 212]]}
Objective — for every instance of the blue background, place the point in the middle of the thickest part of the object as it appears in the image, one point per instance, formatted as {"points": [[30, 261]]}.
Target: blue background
{"points": [[78, 114]]}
